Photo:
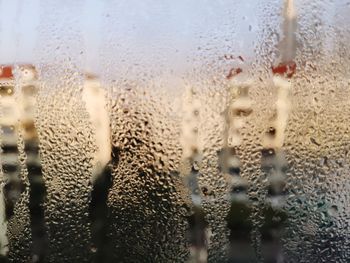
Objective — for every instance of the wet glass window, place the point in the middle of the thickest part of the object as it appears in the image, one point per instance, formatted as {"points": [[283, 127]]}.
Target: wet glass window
{"points": [[174, 131]]}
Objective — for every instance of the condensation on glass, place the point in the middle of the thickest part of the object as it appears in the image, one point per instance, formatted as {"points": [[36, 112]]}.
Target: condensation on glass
{"points": [[175, 131]]}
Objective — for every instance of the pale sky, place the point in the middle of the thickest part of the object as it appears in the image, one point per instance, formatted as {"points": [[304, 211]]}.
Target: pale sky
{"points": [[19, 22], [150, 28], [132, 32]]}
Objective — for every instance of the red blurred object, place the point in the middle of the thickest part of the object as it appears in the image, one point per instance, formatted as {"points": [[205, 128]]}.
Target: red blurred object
{"points": [[233, 72], [287, 69], [6, 72]]}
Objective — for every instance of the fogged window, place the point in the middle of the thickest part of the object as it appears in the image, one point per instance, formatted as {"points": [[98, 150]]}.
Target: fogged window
{"points": [[174, 131]]}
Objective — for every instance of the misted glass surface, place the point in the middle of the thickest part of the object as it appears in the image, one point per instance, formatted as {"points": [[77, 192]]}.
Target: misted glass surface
{"points": [[175, 131]]}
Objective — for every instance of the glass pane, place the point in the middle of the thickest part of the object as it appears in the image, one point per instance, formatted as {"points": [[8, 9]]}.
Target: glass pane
{"points": [[174, 131]]}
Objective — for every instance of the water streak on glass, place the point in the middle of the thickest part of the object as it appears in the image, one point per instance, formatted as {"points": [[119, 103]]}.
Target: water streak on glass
{"points": [[273, 156], [12, 186], [238, 218], [28, 83], [95, 99], [198, 226]]}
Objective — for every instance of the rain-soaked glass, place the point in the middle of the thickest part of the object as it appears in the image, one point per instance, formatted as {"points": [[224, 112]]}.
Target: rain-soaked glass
{"points": [[175, 131]]}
